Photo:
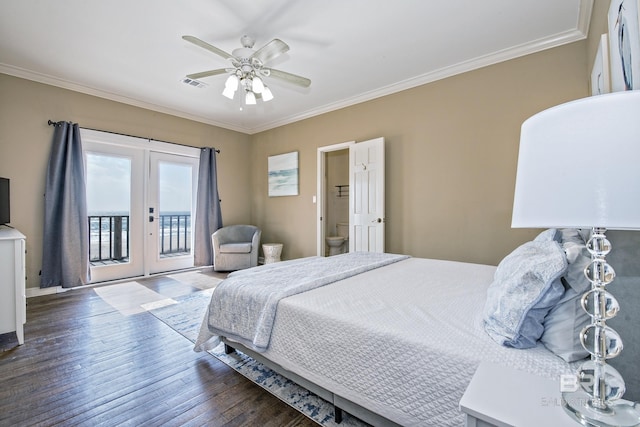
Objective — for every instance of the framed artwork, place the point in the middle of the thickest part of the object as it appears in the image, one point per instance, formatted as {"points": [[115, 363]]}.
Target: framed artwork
{"points": [[624, 44], [283, 174], [600, 80]]}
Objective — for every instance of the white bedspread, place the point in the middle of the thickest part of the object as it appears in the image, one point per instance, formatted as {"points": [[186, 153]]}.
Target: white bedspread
{"points": [[244, 305], [403, 340]]}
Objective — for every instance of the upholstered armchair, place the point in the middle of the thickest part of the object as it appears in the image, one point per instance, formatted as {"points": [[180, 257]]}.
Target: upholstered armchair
{"points": [[235, 247]]}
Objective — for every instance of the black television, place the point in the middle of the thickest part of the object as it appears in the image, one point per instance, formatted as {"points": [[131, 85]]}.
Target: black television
{"points": [[5, 216]]}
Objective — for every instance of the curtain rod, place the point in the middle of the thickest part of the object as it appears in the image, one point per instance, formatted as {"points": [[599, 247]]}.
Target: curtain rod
{"points": [[52, 123]]}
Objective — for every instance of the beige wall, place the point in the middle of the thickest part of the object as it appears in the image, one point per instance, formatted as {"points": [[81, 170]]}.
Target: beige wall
{"points": [[451, 150], [25, 138]]}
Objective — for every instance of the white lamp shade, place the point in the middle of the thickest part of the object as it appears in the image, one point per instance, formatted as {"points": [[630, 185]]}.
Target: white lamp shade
{"points": [[257, 86], [266, 94], [229, 92], [250, 98], [579, 165], [232, 82]]}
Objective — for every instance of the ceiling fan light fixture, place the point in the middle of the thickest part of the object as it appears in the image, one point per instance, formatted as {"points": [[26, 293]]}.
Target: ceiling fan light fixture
{"points": [[245, 83], [229, 92], [248, 68], [250, 98], [266, 94], [257, 85]]}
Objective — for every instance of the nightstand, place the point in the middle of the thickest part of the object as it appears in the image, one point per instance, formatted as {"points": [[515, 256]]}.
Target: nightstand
{"points": [[505, 397]]}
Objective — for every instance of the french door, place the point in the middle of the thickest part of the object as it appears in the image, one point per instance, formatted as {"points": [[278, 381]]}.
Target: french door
{"points": [[170, 210], [141, 205]]}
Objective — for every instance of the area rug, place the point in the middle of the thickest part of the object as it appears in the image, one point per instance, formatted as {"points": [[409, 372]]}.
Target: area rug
{"points": [[185, 317]]}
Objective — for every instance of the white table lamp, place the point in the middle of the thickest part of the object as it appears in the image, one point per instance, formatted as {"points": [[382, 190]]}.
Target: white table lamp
{"points": [[579, 167]]}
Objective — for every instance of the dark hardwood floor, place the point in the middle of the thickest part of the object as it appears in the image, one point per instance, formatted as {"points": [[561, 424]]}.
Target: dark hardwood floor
{"points": [[85, 363]]}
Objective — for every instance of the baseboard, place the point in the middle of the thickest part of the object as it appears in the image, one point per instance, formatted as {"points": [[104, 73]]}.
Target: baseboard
{"points": [[38, 292]]}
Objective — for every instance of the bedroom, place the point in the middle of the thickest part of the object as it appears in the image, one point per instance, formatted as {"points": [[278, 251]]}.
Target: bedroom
{"points": [[452, 147]]}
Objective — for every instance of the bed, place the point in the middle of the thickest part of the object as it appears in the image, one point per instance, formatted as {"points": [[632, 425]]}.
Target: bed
{"points": [[398, 343]]}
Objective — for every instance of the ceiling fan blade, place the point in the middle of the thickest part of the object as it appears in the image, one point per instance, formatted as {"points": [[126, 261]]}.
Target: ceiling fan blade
{"points": [[207, 46], [271, 50], [196, 76], [292, 78]]}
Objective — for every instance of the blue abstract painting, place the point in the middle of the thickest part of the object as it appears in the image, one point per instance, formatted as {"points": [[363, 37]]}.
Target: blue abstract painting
{"points": [[283, 174]]}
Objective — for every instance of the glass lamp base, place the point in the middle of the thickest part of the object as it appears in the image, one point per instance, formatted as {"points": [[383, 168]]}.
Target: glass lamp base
{"points": [[619, 413]]}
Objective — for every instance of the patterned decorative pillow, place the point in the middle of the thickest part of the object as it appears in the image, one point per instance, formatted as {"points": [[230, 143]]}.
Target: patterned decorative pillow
{"points": [[548, 235], [526, 286], [564, 322]]}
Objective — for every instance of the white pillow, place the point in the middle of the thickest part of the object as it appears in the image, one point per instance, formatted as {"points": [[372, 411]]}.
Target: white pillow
{"points": [[562, 327], [564, 322]]}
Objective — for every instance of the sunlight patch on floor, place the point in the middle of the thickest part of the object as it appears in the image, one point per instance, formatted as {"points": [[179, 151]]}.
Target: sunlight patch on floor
{"points": [[158, 304], [196, 279], [132, 297]]}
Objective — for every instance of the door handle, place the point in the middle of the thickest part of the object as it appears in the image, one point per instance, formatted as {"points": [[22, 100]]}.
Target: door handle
{"points": [[151, 218], [378, 220]]}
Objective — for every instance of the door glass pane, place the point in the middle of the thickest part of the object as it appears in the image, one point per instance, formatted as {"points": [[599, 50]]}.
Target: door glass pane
{"points": [[175, 201], [109, 208]]}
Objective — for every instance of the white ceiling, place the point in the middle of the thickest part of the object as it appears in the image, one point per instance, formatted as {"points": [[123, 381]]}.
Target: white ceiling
{"points": [[132, 51]]}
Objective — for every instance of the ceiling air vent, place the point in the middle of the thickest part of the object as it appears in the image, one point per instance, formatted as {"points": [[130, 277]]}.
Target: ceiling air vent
{"points": [[194, 83]]}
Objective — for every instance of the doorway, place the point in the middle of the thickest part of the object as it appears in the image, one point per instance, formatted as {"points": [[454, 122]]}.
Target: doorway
{"points": [[366, 195], [141, 204], [329, 199]]}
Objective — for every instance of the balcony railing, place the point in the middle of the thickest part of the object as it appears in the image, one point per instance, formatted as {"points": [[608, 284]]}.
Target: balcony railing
{"points": [[109, 240], [175, 234]]}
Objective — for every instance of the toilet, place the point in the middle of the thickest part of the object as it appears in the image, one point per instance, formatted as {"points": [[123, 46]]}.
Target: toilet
{"points": [[343, 231], [339, 244], [335, 244]]}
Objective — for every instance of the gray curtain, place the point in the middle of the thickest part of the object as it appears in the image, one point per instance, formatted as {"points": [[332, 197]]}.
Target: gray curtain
{"points": [[65, 258], [208, 212]]}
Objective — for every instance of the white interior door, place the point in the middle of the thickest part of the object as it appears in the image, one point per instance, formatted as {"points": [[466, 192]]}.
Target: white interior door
{"points": [[366, 196], [170, 211]]}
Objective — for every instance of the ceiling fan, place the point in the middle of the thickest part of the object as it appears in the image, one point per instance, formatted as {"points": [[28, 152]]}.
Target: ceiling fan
{"points": [[248, 68]]}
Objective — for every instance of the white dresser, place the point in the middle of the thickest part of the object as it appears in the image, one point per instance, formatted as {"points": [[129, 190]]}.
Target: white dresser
{"points": [[13, 310]]}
